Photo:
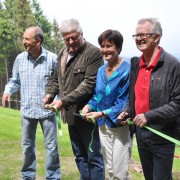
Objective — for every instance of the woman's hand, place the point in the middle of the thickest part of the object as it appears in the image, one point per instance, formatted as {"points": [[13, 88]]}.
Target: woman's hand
{"points": [[123, 118], [94, 115], [86, 109]]}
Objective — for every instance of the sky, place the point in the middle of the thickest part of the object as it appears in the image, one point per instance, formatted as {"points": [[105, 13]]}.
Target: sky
{"points": [[96, 16]]}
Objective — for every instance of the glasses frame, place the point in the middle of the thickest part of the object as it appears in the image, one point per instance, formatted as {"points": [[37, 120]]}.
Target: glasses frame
{"points": [[143, 35]]}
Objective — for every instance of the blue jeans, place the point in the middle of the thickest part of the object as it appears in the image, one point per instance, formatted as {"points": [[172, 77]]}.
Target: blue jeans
{"points": [[90, 164], [156, 159], [49, 128]]}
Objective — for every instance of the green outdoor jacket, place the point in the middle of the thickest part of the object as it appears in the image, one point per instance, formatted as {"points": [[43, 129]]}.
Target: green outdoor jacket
{"points": [[75, 81]]}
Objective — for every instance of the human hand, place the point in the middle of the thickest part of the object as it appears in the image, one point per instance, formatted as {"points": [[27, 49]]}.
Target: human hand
{"points": [[93, 115], [85, 109], [46, 100], [5, 97], [57, 104], [140, 120], [123, 118]]}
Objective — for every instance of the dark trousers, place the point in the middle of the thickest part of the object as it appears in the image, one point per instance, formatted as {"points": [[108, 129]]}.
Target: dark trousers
{"points": [[90, 164], [156, 159]]}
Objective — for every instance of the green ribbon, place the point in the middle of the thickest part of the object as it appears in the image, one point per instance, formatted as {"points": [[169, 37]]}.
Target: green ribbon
{"points": [[58, 121], [92, 133], [158, 133], [131, 123]]}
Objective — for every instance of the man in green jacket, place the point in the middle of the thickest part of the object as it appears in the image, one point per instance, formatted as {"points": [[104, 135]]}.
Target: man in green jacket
{"points": [[74, 79]]}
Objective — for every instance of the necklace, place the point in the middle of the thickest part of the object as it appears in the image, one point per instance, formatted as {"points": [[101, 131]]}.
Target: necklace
{"points": [[111, 68]]}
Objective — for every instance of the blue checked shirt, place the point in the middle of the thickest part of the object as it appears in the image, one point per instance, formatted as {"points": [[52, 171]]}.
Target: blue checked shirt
{"points": [[32, 77]]}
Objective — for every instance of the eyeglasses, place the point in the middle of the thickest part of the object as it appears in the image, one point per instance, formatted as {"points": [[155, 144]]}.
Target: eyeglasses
{"points": [[73, 38], [143, 35]]}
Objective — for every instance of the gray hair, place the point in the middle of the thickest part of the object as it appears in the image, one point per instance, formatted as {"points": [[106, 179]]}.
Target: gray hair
{"points": [[70, 25], [39, 34], [156, 25]]}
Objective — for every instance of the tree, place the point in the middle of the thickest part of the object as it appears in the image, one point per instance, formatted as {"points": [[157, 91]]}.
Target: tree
{"points": [[22, 19], [57, 42], [42, 22], [53, 40], [6, 46]]}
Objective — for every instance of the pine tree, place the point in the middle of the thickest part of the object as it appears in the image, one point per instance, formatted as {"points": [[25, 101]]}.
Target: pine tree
{"points": [[42, 22], [57, 42]]}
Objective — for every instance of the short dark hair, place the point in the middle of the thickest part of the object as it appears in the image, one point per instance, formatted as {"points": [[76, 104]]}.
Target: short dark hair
{"points": [[112, 36]]}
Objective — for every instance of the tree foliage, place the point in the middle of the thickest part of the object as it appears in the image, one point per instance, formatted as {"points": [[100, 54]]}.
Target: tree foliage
{"points": [[57, 42], [22, 19], [53, 41]]}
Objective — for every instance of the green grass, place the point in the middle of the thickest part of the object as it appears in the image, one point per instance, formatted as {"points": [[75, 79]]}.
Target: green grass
{"points": [[11, 152]]}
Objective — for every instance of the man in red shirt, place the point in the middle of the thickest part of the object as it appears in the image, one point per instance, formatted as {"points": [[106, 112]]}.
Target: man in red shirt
{"points": [[154, 100]]}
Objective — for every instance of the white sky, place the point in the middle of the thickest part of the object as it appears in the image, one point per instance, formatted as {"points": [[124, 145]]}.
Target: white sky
{"points": [[95, 16]]}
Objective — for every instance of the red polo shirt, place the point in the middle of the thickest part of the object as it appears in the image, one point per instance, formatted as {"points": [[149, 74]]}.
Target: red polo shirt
{"points": [[142, 85]]}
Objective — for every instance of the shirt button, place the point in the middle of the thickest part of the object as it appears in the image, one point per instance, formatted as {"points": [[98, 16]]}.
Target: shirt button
{"points": [[79, 70]]}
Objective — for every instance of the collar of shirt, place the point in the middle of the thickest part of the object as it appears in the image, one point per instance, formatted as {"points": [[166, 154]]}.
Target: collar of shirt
{"points": [[73, 53], [70, 54], [41, 56], [153, 64]]}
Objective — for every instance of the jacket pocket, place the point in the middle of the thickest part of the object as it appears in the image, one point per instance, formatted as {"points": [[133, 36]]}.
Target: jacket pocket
{"points": [[79, 69], [79, 73]]}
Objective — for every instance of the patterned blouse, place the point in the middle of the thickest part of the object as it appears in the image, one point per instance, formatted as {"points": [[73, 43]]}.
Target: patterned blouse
{"points": [[111, 94]]}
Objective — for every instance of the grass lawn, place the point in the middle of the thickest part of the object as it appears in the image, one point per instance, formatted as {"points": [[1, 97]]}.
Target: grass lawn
{"points": [[11, 152]]}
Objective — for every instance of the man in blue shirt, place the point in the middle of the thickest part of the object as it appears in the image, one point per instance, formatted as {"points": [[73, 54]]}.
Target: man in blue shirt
{"points": [[31, 71]]}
